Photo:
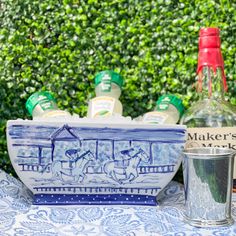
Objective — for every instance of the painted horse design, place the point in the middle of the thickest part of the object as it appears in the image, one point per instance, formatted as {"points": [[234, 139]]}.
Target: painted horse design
{"points": [[126, 170], [80, 163]]}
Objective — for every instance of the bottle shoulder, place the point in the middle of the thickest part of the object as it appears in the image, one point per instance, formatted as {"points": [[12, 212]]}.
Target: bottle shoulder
{"points": [[52, 113], [159, 117], [104, 98], [209, 113], [211, 106]]}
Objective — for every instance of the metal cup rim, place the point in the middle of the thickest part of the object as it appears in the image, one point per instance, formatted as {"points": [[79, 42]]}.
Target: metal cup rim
{"points": [[209, 151]]}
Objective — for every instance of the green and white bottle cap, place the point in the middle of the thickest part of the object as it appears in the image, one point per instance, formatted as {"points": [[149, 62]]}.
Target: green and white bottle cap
{"points": [[44, 99], [107, 77], [164, 101]]}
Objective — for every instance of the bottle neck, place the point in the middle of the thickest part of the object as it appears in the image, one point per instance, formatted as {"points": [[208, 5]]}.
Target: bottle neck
{"points": [[114, 91], [44, 107], [211, 62], [211, 83]]}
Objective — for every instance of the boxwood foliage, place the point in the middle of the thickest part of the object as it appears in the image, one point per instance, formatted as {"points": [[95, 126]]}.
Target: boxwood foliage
{"points": [[59, 45]]}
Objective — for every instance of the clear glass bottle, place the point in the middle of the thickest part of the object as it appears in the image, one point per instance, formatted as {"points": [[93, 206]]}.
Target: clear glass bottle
{"points": [[108, 90], [43, 104], [211, 120], [168, 110]]}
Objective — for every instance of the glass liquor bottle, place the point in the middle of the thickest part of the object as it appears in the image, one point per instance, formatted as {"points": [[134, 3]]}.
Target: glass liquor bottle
{"points": [[211, 120]]}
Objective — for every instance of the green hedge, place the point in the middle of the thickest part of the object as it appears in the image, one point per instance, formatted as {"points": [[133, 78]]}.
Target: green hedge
{"points": [[60, 45]]}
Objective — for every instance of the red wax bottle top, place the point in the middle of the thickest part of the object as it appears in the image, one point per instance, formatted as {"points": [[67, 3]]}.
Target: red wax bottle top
{"points": [[209, 31], [209, 51]]}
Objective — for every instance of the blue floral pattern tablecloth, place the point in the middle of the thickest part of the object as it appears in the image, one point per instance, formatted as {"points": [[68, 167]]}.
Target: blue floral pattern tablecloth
{"points": [[18, 217]]}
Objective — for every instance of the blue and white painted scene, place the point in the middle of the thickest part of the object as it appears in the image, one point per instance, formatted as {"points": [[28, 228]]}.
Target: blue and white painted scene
{"points": [[69, 159]]}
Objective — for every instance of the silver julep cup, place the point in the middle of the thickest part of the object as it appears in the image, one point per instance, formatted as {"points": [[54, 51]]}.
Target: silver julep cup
{"points": [[208, 179]]}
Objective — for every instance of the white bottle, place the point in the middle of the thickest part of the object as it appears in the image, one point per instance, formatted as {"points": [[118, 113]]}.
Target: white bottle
{"points": [[108, 90], [43, 104], [168, 110]]}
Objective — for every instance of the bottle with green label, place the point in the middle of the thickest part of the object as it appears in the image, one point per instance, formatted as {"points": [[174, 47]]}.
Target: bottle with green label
{"points": [[108, 90], [43, 104], [168, 110]]}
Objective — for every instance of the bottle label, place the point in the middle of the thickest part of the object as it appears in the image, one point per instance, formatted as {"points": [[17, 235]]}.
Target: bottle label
{"points": [[45, 105], [155, 117], [163, 105], [224, 137], [106, 83], [102, 106]]}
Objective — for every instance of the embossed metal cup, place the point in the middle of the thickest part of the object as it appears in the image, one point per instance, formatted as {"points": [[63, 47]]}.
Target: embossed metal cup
{"points": [[208, 177]]}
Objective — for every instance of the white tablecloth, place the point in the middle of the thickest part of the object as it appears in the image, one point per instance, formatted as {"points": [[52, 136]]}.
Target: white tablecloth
{"points": [[18, 217]]}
